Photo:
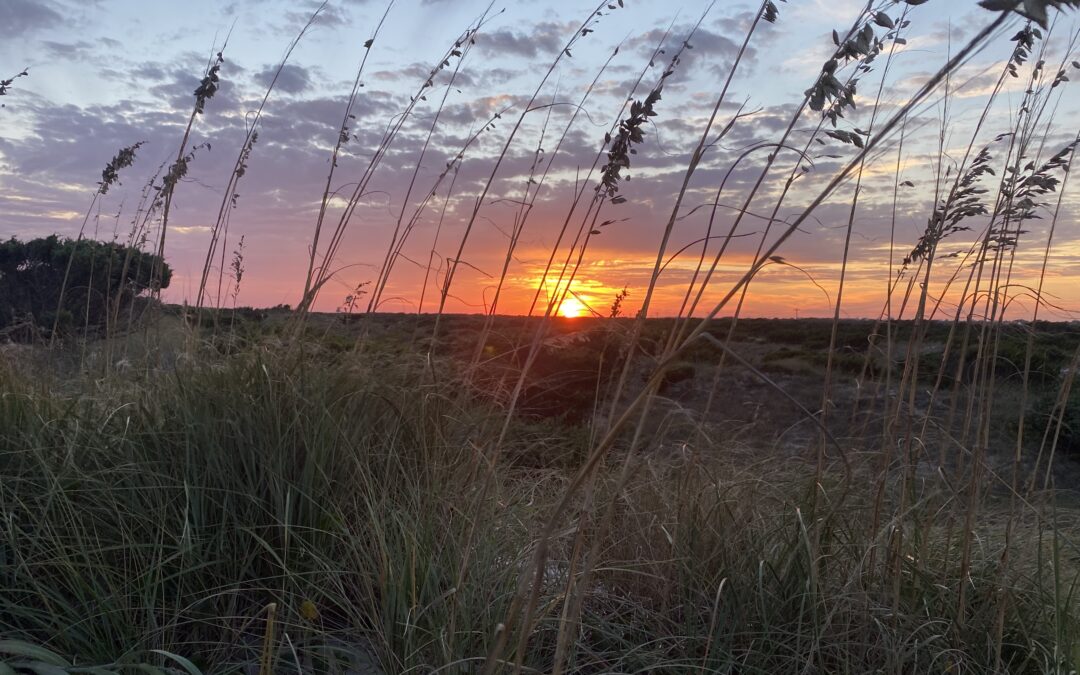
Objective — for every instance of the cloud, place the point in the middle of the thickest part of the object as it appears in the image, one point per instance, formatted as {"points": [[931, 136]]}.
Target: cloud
{"points": [[154, 71], [23, 16], [68, 50], [543, 38], [291, 80], [413, 73], [703, 42], [329, 17]]}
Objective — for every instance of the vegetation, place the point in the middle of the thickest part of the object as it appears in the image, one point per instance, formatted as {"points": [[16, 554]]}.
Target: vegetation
{"points": [[102, 280], [330, 515], [218, 489]]}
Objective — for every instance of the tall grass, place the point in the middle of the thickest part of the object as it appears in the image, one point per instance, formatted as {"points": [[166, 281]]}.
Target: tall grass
{"points": [[172, 517], [297, 505]]}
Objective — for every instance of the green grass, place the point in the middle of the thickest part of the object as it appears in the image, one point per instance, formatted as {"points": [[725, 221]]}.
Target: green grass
{"points": [[172, 514]]}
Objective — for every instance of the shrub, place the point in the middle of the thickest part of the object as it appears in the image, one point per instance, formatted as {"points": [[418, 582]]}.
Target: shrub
{"points": [[100, 276]]}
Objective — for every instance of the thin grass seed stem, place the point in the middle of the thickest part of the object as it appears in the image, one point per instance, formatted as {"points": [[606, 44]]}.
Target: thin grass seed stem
{"points": [[540, 555]]}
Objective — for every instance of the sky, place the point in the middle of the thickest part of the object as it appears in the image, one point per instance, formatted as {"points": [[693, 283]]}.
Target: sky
{"points": [[105, 74]]}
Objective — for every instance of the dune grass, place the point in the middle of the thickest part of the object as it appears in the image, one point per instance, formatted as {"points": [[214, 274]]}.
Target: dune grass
{"points": [[173, 516], [183, 493]]}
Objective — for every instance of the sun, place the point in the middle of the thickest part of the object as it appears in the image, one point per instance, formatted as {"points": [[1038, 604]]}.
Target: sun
{"points": [[571, 308]]}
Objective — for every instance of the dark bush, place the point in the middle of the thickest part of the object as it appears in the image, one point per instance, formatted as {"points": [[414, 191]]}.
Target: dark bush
{"points": [[104, 277]]}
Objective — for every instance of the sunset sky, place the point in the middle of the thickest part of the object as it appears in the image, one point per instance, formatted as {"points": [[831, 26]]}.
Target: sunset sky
{"points": [[105, 74]]}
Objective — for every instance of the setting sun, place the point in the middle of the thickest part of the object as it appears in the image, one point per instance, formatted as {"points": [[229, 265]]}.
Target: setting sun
{"points": [[571, 308]]}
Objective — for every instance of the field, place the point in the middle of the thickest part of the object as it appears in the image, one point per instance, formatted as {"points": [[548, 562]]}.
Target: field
{"points": [[594, 463], [342, 508]]}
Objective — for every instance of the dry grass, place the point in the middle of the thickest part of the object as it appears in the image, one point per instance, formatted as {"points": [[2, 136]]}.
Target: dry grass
{"points": [[292, 499]]}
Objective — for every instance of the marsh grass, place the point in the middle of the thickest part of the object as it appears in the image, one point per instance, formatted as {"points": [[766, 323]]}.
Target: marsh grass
{"points": [[171, 522], [296, 497]]}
